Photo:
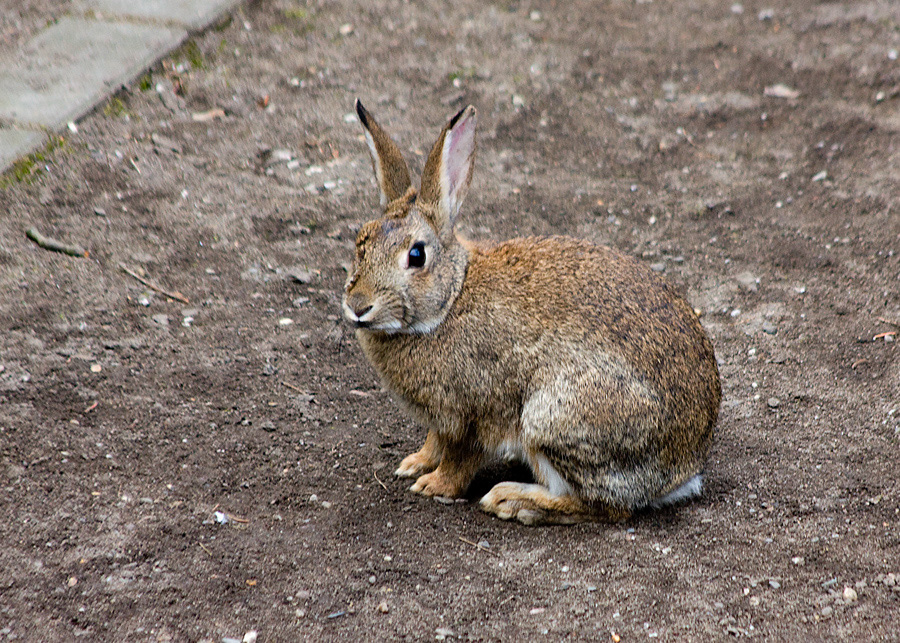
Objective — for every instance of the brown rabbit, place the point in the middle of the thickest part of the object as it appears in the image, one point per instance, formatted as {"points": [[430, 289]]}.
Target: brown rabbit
{"points": [[572, 357]]}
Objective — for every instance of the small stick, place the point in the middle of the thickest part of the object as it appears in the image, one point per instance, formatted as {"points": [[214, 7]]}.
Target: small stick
{"points": [[477, 546], [203, 547], [48, 243], [91, 407], [236, 519], [152, 286], [887, 334], [889, 321], [379, 481], [293, 388]]}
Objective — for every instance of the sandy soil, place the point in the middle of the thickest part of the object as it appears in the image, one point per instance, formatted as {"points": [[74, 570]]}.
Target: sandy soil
{"points": [[196, 471]]}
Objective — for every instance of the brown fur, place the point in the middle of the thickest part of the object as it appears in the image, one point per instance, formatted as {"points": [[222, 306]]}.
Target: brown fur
{"points": [[577, 357]]}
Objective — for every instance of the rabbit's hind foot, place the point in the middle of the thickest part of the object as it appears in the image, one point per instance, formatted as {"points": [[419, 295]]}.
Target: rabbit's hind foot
{"points": [[534, 504]]}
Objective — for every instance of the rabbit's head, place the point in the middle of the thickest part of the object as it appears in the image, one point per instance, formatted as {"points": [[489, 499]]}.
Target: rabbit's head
{"points": [[409, 264]]}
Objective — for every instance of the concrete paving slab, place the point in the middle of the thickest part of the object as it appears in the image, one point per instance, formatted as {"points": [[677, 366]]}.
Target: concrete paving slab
{"points": [[67, 69], [194, 14], [17, 142]]}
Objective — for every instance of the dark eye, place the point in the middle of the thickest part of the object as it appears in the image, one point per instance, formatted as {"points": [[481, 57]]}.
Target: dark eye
{"points": [[416, 258]]}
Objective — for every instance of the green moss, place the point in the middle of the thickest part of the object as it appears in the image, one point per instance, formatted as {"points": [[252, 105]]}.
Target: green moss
{"points": [[194, 55], [466, 72], [29, 168], [145, 83], [115, 108], [296, 14], [299, 19]]}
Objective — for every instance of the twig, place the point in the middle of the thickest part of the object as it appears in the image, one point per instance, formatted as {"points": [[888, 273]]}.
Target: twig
{"points": [[375, 473], [203, 547], [477, 546], [48, 243], [293, 388], [236, 519], [890, 333], [152, 286], [91, 407], [889, 321]]}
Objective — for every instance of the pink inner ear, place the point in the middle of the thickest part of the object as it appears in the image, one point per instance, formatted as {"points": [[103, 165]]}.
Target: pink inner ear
{"points": [[460, 145]]}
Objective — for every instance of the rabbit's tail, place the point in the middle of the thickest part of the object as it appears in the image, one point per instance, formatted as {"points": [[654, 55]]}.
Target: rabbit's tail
{"points": [[689, 489]]}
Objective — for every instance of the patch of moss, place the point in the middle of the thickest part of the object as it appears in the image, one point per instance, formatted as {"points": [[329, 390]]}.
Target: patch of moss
{"points": [[115, 108], [194, 55], [28, 168], [299, 19]]}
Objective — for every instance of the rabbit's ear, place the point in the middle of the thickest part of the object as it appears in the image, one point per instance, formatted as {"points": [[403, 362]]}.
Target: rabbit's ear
{"points": [[391, 170], [448, 170]]}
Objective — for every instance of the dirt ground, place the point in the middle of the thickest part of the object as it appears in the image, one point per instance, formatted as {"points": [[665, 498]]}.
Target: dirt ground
{"points": [[199, 471]]}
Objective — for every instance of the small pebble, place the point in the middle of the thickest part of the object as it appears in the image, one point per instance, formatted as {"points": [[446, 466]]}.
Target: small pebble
{"points": [[383, 607], [850, 595], [748, 281], [773, 402], [774, 584], [250, 637], [658, 267], [372, 580], [827, 611]]}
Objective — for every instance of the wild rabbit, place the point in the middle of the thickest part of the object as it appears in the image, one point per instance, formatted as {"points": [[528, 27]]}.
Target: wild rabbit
{"points": [[572, 357]]}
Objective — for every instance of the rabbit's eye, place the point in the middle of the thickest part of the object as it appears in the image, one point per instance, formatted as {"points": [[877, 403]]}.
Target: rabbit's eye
{"points": [[416, 258]]}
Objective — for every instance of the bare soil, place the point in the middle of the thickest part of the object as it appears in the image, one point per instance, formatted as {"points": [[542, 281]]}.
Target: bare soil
{"points": [[129, 419]]}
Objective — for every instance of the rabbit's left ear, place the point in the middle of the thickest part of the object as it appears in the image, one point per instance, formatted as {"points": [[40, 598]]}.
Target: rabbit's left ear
{"points": [[448, 170], [391, 170]]}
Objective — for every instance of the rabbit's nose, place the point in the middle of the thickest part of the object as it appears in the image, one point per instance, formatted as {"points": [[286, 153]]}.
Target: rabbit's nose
{"points": [[361, 312]]}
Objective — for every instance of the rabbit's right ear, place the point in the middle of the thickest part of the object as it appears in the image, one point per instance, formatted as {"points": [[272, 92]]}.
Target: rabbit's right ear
{"points": [[448, 170], [391, 170]]}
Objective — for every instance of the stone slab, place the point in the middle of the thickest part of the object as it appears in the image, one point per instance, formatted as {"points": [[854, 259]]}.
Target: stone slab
{"points": [[65, 70], [15, 143], [194, 14]]}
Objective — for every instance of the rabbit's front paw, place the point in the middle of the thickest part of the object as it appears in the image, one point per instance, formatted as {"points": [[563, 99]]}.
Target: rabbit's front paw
{"points": [[437, 483], [415, 465]]}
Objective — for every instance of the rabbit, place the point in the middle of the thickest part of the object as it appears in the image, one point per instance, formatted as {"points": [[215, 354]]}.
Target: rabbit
{"points": [[570, 356]]}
